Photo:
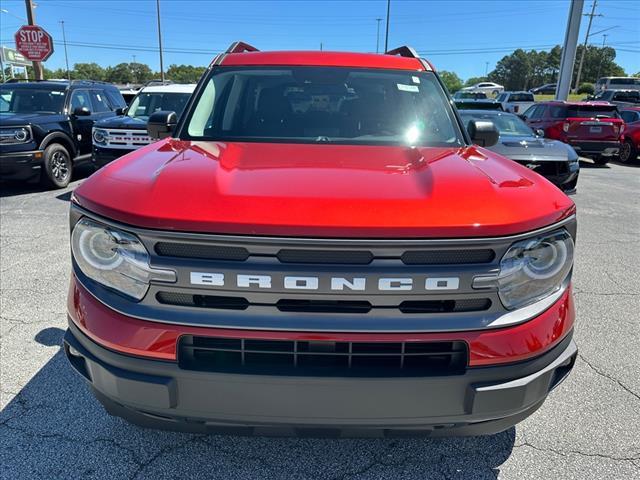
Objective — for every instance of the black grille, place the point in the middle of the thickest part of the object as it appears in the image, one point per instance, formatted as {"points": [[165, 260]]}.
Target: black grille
{"points": [[447, 257], [322, 358], [549, 168], [323, 306], [344, 257], [194, 250]]}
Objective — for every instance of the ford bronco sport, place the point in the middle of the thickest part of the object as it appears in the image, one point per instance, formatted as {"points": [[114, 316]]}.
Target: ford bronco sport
{"points": [[45, 127], [318, 247]]}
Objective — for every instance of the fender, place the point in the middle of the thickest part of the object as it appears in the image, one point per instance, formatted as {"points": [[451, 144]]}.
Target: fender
{"points": [[62, 137]]}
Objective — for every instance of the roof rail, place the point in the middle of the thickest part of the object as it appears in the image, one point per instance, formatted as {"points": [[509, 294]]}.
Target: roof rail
{"points": [[87, 82], [404, 51], [240, 47], [156, 82]]}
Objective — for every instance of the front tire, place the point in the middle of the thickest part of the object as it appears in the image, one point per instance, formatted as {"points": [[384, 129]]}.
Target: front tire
{"points": [[628, 152], [57, 167]]}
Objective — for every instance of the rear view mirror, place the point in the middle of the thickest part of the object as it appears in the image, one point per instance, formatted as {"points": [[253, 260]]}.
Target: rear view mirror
{"points": [[483, 132], [161, 124]]}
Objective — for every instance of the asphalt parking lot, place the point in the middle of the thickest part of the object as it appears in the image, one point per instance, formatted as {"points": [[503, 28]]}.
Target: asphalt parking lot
{"points": [[51, 426]]}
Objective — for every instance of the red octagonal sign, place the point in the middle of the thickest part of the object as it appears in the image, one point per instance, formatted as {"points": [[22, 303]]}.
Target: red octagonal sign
{"points": [[34, 43]]}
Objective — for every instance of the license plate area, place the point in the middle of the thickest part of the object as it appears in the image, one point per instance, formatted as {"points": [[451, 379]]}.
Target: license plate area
{"points": [[595, 129]]}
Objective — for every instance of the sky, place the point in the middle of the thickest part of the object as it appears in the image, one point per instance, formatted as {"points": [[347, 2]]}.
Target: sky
{"points": [[467, 37]]}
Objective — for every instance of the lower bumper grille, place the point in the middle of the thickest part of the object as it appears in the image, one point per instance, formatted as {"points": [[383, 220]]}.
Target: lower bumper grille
{"points": [[321, 358]]}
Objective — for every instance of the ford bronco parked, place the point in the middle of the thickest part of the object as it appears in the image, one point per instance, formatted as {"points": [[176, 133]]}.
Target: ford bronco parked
{"points": [[319, 246], [45, 127], [116, 136]]}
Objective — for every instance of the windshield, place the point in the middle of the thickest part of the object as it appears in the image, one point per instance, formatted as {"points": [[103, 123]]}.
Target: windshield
{"points": [[31, 100], [323, 104], [146, 103], [508, 125], [592, 112]]}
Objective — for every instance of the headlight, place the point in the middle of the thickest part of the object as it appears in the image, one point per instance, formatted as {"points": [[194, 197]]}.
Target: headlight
{"points": [[535, 268], [15, 135], [100, 136], [114, 258]]}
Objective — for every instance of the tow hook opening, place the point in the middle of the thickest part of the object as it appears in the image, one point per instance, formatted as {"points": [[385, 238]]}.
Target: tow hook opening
{"points": [[77, 361], [562, 371]]}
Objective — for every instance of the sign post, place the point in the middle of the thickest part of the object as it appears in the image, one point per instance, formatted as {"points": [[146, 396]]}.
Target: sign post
{"points": [[34, 43]]}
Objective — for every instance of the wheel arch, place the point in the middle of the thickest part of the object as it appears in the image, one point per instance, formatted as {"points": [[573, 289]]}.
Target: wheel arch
{"points": [[61, 138]]}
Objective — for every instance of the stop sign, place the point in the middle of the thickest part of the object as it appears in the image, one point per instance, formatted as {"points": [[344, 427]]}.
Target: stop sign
{"points": [[34, 43]]}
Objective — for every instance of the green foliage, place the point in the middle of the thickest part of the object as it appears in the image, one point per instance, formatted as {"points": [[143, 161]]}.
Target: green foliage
{"points": [[523, 70], [586, 87], [473, 80], [452, 81], [185, 73]]}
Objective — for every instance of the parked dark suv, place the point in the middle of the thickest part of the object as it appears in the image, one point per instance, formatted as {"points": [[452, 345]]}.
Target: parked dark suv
{"points": [[45, 127]]}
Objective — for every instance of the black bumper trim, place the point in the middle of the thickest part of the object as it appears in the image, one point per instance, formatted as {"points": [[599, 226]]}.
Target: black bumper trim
{"points": [[159, 394]]}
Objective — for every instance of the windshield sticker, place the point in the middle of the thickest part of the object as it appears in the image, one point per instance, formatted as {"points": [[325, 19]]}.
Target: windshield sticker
{"points": [[415, 79], [407, 88]]}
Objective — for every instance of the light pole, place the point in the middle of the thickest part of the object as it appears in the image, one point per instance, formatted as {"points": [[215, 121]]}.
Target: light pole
{"points": [[378, 20], [486, 69], [160, 41], [604, 39], [386, 37], [586, 39], [569, 48], [66, 57]]}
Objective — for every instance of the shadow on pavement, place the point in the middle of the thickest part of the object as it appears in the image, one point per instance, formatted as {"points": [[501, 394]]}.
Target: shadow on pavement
{"points": [[54, 428], [13, 188]]}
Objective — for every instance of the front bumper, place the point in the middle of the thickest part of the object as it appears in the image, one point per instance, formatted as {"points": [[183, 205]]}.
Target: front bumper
{"points": [[102, 156], [158, 394], [20, 165], [588, 147]]}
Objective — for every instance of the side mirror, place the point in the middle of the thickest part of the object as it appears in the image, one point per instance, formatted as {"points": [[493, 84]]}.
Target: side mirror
{"points": [[161, 124], [483, 133], [522, 117], [120, 111], [539, 132], [82, 112]]}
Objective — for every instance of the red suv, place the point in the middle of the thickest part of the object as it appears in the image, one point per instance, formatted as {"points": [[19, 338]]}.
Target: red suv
{"points": [[631, 146], [593, 129], [320, 246]]}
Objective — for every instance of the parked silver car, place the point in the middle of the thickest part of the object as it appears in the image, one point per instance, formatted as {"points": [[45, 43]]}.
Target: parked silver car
{"points": [[554, 160]]}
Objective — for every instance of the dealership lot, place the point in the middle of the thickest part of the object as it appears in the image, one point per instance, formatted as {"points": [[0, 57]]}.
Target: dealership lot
{"points": [[52, 427]]}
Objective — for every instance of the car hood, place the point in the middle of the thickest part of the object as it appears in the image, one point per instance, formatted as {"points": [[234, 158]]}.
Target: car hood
{"points": [[11, 119], [122, 121], [533, 148], [322, 191]]}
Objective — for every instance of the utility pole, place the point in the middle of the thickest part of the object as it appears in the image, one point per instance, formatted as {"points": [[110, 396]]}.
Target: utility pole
{"points": [[486, 69], [320, 46], [160, 41], [604, 40], [378, 20], [586, 39], [66, 57], [569, 49], [37, 66], [386, 37]]}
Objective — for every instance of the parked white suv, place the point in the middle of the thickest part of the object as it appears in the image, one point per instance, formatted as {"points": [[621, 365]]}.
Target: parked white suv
{"points": [[515, 102], [489, 88], [617, 83]]}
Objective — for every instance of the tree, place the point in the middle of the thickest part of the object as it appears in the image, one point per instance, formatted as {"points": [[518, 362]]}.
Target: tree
{"points": [[473, 80], [451, 80], [598, 62], [185, 73], [86, 71], [121, 73], [141, 72]]}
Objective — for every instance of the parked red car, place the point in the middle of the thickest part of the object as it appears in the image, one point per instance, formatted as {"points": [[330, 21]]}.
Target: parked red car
{"points": [[593, 129], [631, 146], [320, 246]]}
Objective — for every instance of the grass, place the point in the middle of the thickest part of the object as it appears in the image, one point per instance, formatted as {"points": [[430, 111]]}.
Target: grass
{"points": [[573, 97]]}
